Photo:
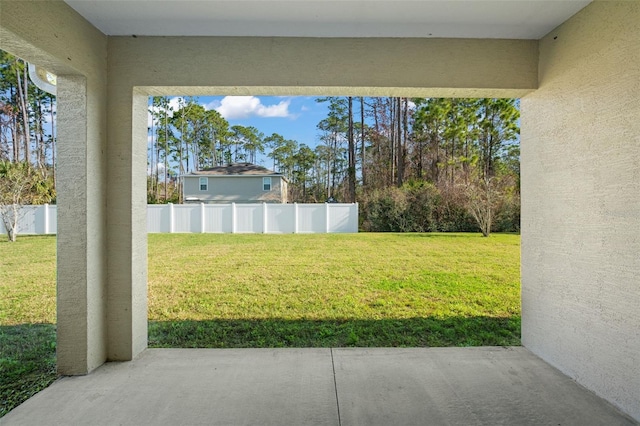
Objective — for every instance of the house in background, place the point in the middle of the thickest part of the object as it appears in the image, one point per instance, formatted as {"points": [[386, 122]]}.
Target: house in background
{"points": [[235, 183]]}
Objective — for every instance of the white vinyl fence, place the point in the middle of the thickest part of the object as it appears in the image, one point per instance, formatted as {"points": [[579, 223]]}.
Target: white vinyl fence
{"points": [[35, 220], [262, 218], [220, 218]]}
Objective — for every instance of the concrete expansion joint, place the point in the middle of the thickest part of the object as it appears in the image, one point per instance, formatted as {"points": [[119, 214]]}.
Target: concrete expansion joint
{"points": [[335, 386]]}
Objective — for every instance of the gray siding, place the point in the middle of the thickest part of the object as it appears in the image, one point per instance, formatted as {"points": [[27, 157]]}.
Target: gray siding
{"points": [[235, 189]]}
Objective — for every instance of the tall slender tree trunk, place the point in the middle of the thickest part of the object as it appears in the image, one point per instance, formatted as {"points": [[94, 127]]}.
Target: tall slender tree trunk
{"points": [[334, 157], [465, 165], [453, 159], [399, 150], [157, 161], [352, 156], [419, 162], [180, 161], [22, 95], [213, 146], [152, 156], [166, 154], [53, 141], [15, 139], [40, 140], [329, 173], [392, 139], [152, 148], [362, 144], [405, 125]]}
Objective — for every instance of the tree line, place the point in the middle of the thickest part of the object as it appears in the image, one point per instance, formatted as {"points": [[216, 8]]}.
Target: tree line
{"points": [[27, 142], [413, 164], [27, 115]]}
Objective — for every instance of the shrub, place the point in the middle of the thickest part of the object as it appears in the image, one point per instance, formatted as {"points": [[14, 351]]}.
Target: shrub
{"points": [[415, 207]]}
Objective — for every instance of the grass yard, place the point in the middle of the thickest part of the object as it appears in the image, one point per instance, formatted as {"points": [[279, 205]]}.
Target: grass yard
{"points": [[280, 291], [27, 318], [332, 290]]}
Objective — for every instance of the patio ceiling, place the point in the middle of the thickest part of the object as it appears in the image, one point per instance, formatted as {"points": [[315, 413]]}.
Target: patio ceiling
{"points": [[509, 19]]}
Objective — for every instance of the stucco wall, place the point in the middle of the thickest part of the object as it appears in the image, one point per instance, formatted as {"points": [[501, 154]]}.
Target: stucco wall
{"points": [[142, 66], [237, 189], [50, 34], [272, 65], [581, 203]]}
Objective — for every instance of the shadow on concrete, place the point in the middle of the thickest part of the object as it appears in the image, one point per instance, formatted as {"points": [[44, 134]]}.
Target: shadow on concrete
{"points": [[278, 333]]}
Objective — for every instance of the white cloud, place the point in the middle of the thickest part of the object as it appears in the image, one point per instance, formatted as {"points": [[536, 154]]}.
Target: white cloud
{"points": [[246, 106], [212, 105]]}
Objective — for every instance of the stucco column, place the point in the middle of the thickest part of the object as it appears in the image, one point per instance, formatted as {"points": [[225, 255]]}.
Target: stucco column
{"points": [[126, 222], [81, 260], [52, 35]]}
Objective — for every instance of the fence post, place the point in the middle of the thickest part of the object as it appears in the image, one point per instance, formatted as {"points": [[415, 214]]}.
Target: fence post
{"points": [[46, 218], [171, 218], [355, 213], [295, 218], [202, 221], [264, 218], [233, 218], [326, 214]]}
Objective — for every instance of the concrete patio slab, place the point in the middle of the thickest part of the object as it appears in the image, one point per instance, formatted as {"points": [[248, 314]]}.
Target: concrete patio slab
{"points": [[359, 386], [461, 386], [193, 387]]}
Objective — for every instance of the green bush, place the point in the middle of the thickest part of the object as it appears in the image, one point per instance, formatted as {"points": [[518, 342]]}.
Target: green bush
{"points": [[422, 207]]}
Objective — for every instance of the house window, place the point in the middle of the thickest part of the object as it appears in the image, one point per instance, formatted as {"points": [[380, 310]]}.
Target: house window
{"points": [[204, 184], [266, 184]]}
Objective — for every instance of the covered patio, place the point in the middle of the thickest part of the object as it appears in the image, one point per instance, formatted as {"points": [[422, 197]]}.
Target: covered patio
{"points": [[321, 386], [574, 64]]}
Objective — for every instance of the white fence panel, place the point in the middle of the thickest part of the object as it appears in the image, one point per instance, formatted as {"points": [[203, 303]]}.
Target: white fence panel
{"points": [[342, 218], [52, 217], [158, 218], [249, 218], [27, 222], [312, 218], [281, 218], [187, 218], [219, 218], [35, 220]]}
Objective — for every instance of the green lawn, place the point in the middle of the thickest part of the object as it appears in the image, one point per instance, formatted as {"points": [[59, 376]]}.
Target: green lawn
{"points": [[27, 318], [281, 291], [333, 290]]}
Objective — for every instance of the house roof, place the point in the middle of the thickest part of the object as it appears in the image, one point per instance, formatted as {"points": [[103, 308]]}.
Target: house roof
{"points": [[235, 169]]}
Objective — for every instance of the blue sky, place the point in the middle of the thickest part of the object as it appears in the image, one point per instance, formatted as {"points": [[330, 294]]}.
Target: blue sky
{"points": [[293, 117]]}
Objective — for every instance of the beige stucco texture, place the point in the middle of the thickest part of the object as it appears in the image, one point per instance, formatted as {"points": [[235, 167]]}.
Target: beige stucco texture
{"points": [[54, 36], [581, 203], [580, 163], [309, 66], [142, 66]]}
